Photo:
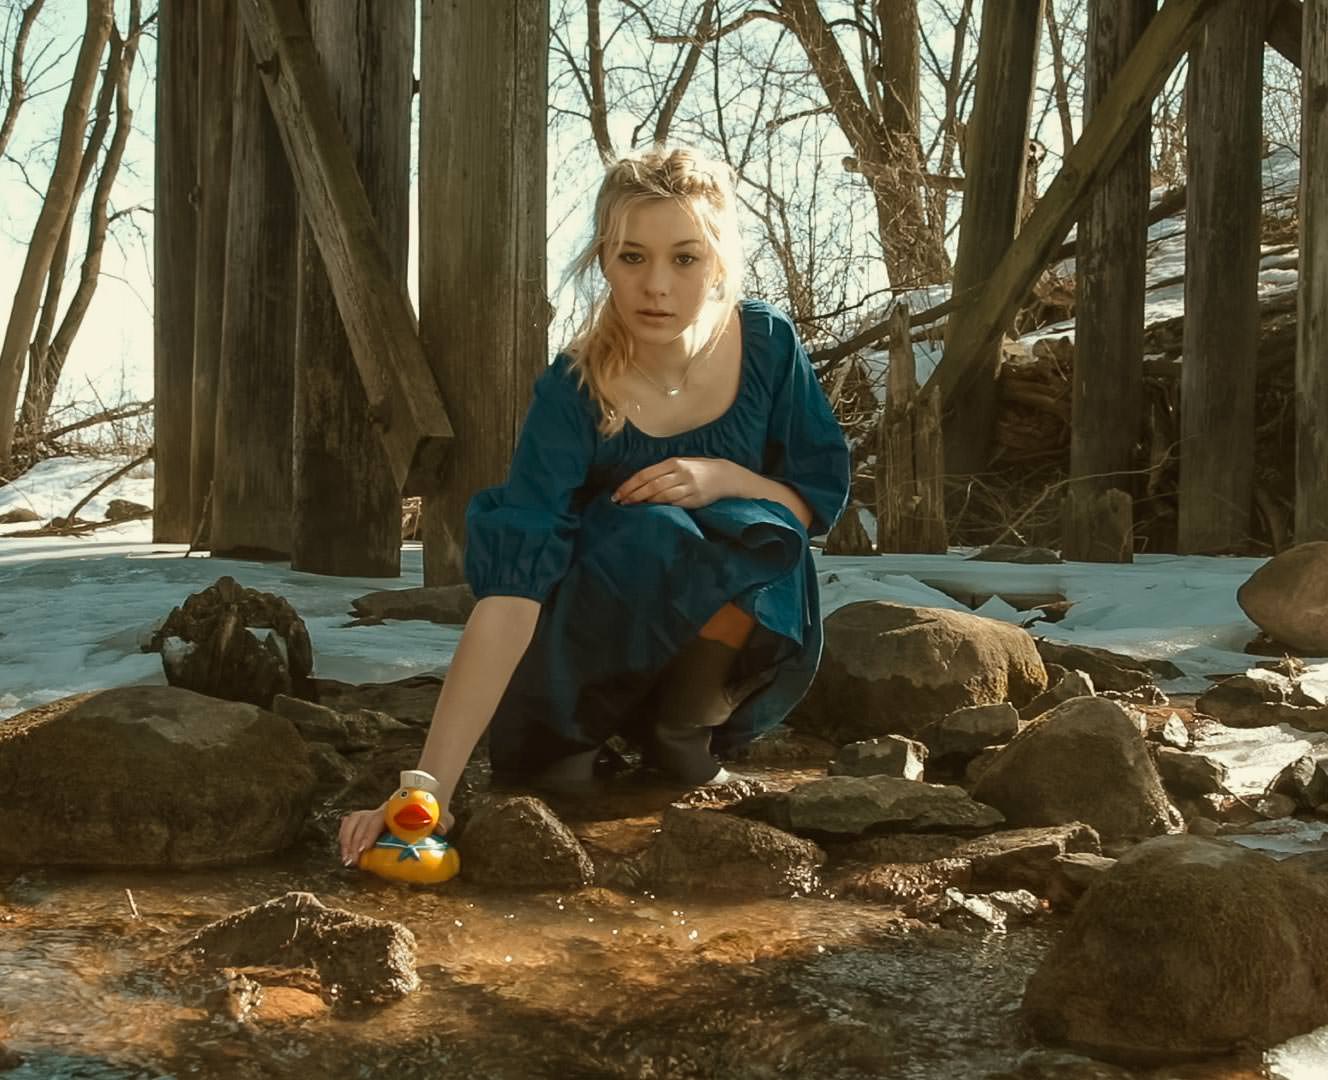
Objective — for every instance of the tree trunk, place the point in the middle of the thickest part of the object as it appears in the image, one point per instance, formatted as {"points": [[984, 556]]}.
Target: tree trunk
{"points": [[217, 32], [251, 492], [40, 387], [1224, 132], [1107, 402], [347, 504], [1312, 325], [483, 311], [56, 207], [993, 193], [175, 240]]}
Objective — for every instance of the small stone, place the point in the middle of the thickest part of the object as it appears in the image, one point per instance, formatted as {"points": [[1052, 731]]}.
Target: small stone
{"points": [[890, 755], [1190, 774], [1174, 733], [967, 732], [1072, 684]]}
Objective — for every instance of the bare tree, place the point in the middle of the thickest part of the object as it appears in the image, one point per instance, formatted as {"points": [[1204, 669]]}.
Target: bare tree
{"points": [[17, 88], [46, 354], [56, 207]]}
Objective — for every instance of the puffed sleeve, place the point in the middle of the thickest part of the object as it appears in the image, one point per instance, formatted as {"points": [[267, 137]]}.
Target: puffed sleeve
{"points": [[805, 445], [519, 536]]}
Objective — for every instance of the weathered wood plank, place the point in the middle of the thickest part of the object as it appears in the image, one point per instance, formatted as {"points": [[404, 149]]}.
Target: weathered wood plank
{"points": [[405, 403], [1285, 18], [1312, 332], [251, 491], [1119, 114], [174, 246], [1109, 287], [216, 83], [995, 163], [1224, 134], [347, 517], [483, 311]]}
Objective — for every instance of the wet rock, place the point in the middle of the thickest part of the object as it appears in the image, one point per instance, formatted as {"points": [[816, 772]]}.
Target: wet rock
{"points": [[150, 776], [359, 729], [956, 910], [1073, 874], [887, 669], [1082, 761], [902, 883], [356, 958], [1040, 1064], [1262, 698], [9, 1059], [331, 769], [710, 851], [732, 790], [125, 509], [449, 605], [860, 804], [517, 841], [1305, 780], [1108, 670], [1189, 774], [411, 700], [890, 755], [784, 746], [893, 848], [18, 516], [1025, 858], [1287, 597], [967, 732], [213, 644], [1072, 684], [1236, 949]]}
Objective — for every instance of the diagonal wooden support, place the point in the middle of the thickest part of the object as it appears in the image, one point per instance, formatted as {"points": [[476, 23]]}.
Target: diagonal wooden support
{"points": [[1115, 120], [1285, 19], [404, 400]]}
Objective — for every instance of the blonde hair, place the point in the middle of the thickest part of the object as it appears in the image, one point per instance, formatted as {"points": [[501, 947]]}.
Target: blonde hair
{"points": [[602, 346]]}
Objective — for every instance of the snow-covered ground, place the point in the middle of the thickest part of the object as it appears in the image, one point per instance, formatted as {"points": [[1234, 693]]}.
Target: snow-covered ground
{"points": [[75, 611]]}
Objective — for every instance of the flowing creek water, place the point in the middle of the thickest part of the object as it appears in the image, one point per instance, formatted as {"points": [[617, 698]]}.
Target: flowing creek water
{"points": [[589, 983]]}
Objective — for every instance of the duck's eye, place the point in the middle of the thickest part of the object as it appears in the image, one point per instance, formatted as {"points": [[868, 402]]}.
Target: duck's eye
{"points": [[402, 793]]}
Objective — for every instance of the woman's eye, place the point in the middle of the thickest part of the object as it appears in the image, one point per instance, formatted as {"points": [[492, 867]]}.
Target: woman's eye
{"points": [[691, 259]]}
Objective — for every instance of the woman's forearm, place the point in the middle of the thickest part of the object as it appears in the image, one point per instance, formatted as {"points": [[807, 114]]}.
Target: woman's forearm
{"points": [[492, 643], [753, 485]]}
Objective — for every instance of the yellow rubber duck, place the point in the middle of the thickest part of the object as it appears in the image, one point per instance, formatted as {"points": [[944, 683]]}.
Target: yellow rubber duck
{"points": [[408, 850]]}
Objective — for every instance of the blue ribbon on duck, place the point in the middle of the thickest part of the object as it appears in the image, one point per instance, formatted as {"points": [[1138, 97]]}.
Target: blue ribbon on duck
{"points": [[411, 849]]}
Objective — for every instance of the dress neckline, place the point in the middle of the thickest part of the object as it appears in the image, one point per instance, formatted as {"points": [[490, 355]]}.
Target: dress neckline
{"points": [[744, 343]]}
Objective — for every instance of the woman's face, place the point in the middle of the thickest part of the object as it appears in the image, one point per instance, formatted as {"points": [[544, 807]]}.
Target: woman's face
{"points": [[661, 277]]}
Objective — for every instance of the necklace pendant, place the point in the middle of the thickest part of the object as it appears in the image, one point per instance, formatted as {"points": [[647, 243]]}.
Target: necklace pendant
{"points": [[674, 391]]}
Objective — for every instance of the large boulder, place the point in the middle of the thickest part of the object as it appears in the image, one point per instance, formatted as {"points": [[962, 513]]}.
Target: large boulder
{"points": [[1082, 761], [1187, 947], [150, 776], [1287, 597], [711, 851], [888, 669]]}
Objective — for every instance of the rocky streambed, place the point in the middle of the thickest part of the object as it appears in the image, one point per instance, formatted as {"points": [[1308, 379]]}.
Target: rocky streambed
{"points": [[968, 854]]}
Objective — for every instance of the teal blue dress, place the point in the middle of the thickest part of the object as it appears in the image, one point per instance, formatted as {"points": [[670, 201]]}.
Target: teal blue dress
{"points": [[622, 588]]}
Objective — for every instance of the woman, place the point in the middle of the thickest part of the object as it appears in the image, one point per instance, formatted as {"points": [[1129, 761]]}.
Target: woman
{"points": [[645, 570]]}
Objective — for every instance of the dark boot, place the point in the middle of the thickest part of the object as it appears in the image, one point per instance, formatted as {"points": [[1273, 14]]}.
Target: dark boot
{"points": [[690, 701]]}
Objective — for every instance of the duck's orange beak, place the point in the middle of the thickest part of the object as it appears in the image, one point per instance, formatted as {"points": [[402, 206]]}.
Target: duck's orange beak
{"points": [[412, 816]]}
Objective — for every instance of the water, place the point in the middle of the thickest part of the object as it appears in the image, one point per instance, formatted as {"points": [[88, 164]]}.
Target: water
{"points": [[587, 984]]}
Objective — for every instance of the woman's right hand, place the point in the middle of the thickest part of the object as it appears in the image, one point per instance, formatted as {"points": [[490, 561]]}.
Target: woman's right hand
{"points": [[360, 828]]}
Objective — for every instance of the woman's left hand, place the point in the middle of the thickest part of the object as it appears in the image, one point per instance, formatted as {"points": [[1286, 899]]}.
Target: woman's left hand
{"points": [[689, 482]]}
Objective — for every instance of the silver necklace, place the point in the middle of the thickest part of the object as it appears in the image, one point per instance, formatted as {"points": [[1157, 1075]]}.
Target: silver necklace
{"points": [[665, 389]]}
